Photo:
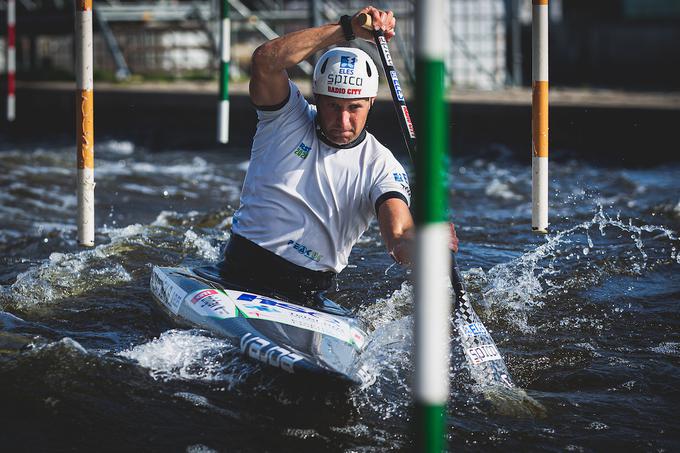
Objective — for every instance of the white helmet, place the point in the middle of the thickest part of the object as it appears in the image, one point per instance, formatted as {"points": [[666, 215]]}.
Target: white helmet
{"points": [[345, 72]]}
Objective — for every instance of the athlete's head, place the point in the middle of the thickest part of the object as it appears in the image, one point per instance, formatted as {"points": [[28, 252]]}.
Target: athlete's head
{"points": [[345, 85]]}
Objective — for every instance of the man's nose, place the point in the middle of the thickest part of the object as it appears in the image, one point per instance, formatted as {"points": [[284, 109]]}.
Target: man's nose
{"points": [[344, 118]]}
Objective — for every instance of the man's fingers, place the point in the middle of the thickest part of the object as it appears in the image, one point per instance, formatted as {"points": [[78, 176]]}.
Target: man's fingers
{"points": [[453, 238], [381, 20], [388, 24]]}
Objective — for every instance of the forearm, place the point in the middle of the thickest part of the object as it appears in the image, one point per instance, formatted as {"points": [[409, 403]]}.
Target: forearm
{"points": [[400, 246], [288, 50], [397, 229], [269, 79]]}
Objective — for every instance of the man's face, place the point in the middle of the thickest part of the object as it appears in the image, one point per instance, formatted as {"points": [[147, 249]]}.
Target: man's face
{"points": [[342, 120]]}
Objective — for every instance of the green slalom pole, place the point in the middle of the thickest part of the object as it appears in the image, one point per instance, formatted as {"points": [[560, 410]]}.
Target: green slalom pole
{"points": [[433, 259], [225, 52]]}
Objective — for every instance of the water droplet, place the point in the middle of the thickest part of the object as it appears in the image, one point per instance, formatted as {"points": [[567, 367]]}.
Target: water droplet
{"points": [[165, 193], [586, 250], [46, 240]]}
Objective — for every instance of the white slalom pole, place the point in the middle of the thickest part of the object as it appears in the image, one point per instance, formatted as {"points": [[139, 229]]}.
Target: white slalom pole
{"points": [[539, 120], [11, 59], [225, 47], [84, 121]]}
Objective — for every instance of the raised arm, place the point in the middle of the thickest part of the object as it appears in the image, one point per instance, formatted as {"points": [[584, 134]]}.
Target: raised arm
{"points": [[269, 79]]}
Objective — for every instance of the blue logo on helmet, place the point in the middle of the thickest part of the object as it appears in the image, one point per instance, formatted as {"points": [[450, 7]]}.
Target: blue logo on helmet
{"points": [[347, 62]]}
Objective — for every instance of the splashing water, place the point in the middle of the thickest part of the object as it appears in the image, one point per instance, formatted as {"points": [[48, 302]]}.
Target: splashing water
{"points": [[518, 286], [178, 354]]}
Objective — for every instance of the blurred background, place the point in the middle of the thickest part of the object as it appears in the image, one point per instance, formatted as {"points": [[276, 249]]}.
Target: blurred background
{"points": [[614, 71], [628, 44]]}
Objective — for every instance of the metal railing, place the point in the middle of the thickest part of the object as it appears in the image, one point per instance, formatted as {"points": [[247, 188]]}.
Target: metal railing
{"points": [[133, 34]]}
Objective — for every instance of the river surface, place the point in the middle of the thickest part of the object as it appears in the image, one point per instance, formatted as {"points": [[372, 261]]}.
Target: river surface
{"points": [[587, 317]]}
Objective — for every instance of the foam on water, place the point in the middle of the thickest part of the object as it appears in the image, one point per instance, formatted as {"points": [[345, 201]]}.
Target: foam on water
{"points": [[70, 274], [119, 147], [182, 354], [668, 348], [66, 345], [202, 246], [501, 190]]}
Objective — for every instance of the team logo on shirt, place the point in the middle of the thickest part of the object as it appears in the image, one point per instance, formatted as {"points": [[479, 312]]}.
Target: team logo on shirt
{"points": [[402, 179], [302, 250], [302, 151]]}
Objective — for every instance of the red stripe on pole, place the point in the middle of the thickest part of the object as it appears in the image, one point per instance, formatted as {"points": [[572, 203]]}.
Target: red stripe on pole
{"points": [[11, 36], [11, 83]]}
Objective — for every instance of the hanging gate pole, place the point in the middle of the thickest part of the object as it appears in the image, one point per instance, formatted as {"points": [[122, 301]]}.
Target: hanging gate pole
{"points": [[539, 119], [11, 59], [85, 121], [225, 52]]}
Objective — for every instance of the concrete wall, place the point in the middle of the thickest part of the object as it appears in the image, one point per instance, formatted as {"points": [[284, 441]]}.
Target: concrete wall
{"points": [[164, 121]]}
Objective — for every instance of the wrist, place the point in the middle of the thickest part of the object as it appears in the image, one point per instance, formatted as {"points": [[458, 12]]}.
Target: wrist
{"points": [[346, 28]]}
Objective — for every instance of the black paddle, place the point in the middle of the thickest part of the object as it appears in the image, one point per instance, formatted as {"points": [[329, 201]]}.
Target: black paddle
{"points": [[485, 362]]}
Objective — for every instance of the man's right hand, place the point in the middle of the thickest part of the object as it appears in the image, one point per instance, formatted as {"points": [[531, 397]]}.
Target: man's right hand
{"points": [[381, 20]]}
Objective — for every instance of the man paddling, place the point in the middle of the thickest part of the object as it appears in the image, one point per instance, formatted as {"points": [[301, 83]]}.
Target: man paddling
{"points": [[316, 177]]}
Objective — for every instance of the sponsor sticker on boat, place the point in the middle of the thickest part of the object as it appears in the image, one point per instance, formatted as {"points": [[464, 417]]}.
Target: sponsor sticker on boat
{"points": [[167, 291], [264, 351], [213, 303], [358, 337], [259, 307], [475, 328], [483, 353]]}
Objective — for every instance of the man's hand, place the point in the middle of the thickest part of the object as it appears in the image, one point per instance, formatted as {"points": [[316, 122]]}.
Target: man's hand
{"points": [[453, 239], [382, 20]]}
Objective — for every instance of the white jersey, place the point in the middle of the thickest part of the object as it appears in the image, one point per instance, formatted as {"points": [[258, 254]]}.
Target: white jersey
{"points": [[306, 201]]}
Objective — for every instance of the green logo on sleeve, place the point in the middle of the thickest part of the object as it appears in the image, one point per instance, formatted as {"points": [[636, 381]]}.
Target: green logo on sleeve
{"points": [[302, 151]]}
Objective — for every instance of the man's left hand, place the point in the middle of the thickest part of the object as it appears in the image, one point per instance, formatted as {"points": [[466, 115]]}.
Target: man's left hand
{"points": [[382, 20], [453, 238]]}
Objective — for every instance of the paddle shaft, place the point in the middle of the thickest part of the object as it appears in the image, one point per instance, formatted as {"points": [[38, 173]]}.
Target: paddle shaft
{"points": [[405, 123], [407, 129]]}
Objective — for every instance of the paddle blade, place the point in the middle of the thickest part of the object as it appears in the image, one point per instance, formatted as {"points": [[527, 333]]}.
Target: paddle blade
{"points": [[485, 362]]}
